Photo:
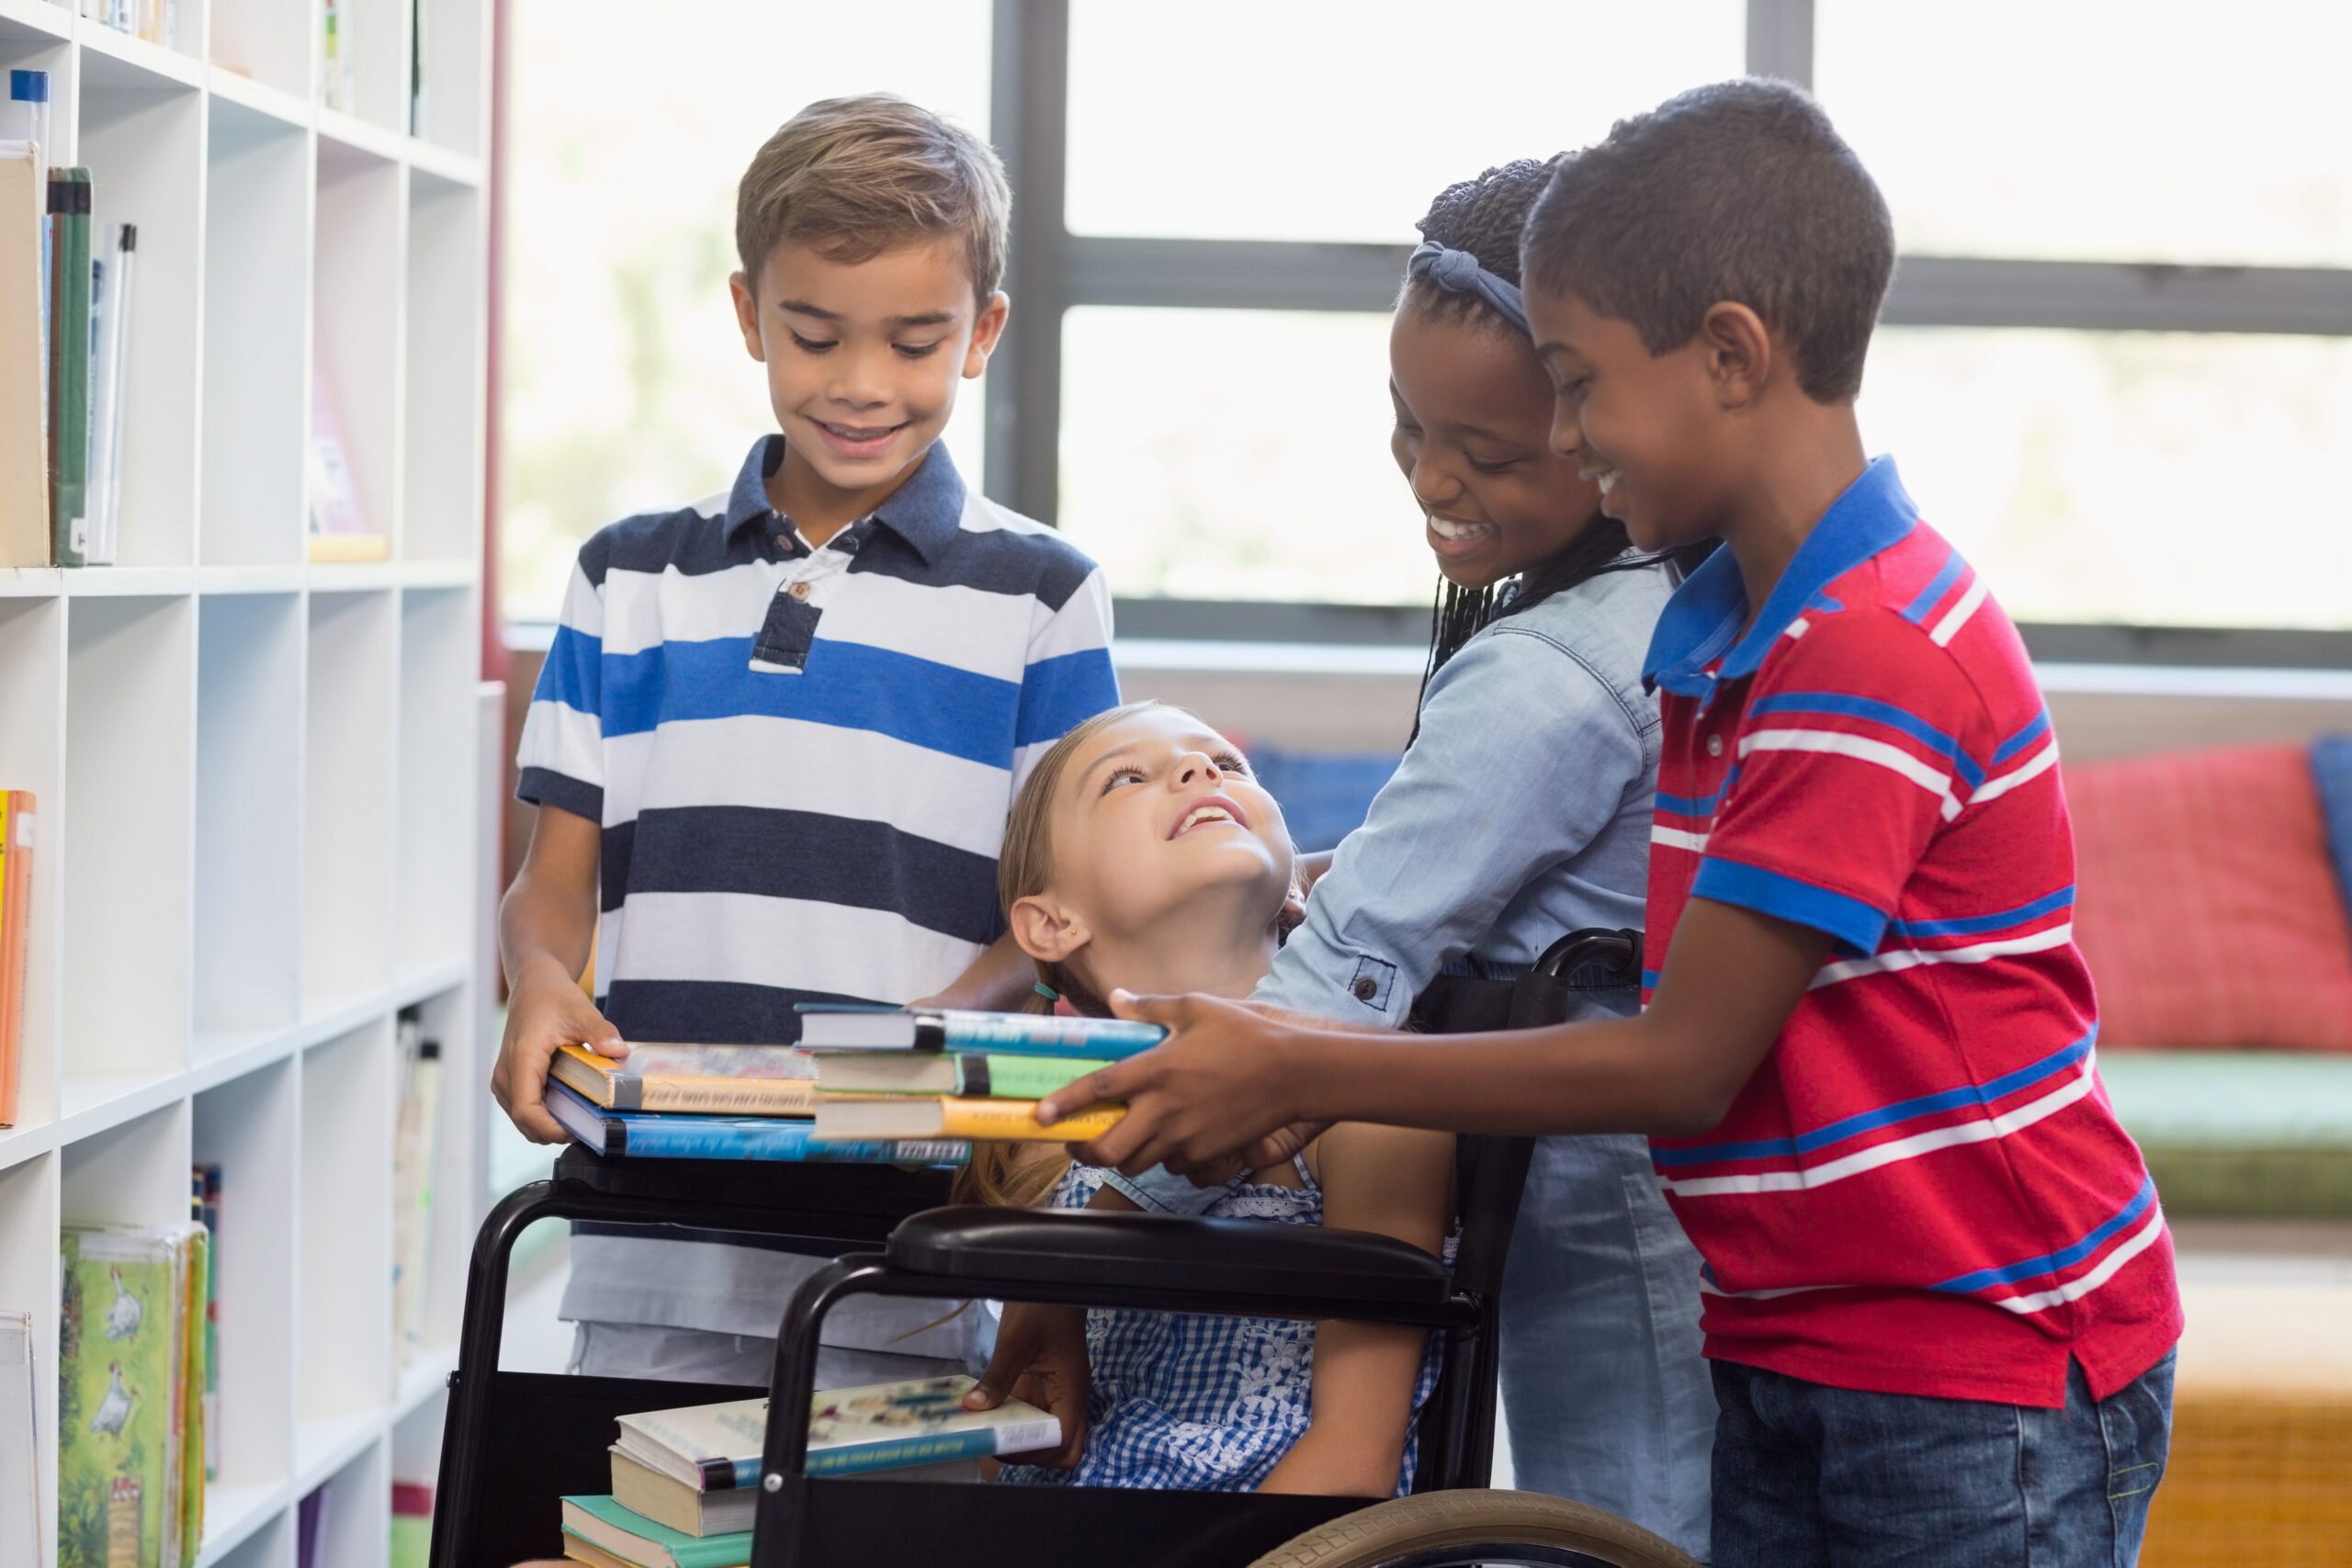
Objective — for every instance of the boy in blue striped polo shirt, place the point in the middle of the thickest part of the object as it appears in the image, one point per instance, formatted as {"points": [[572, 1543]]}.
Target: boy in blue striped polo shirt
{"points": [[778, 731]]}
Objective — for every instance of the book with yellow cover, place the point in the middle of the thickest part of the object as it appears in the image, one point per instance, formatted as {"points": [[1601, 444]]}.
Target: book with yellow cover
{"points": [[726, 1080], [956, 1118]]}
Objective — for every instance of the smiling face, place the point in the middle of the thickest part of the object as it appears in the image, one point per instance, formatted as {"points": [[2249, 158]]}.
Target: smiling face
{"points": [[1648, 429], [1153, 823], [1473, 423], [863, 360]]}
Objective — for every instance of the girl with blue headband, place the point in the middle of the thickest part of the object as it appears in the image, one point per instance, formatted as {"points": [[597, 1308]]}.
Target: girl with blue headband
{"points": [[1520, 812]]}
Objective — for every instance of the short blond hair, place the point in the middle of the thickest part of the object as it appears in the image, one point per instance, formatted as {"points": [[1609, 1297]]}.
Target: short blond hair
{"points": [[854, 178]]}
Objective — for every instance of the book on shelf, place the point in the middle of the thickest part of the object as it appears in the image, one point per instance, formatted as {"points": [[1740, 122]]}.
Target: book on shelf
{"points": [[886, 1426], [311, 1526], [412, 1524], [204, 1194], [653, 1134], [975, 1074], [834, 1027], [599, 1531], [338, 87], [939, 1116], [415, 1142], [131, 1449], [17, 817], [19, 1453], [737, 1081], [68, 371], [24, 356]]}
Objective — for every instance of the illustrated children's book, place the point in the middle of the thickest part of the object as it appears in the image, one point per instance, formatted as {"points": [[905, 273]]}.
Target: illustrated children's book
{"points": [[600, 1531], [827, 1026], [131, 1456], [647, 1134]]}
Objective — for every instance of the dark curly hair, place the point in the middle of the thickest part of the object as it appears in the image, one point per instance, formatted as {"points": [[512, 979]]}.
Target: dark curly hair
{"points": [[1486, 217]]}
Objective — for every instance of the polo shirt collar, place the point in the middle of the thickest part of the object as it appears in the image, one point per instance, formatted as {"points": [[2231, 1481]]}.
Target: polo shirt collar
{"points": [[1702, 621], [926, 511]]}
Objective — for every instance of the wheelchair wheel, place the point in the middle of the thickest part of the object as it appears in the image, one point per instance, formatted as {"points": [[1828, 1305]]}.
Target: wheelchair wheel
{"points": [[1452, 1529]]}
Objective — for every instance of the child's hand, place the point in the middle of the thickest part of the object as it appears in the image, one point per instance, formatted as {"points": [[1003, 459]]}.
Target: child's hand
{"points": [[1223, 1082], [546, 1011], [1041, 1357]]}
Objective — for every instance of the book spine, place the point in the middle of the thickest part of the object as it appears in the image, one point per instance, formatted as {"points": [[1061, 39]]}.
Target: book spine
{"points": [[1036, 1034], [1013, 1437], [999, 1118], [1005, 1077], [729, 1475], [69, 337]]}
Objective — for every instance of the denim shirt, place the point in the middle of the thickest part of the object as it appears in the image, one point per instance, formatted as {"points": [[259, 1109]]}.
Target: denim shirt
{"points": [[1522, 813]]}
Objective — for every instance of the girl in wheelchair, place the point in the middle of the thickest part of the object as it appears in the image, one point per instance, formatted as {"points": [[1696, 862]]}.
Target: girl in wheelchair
{"points": [[1142, 855]]}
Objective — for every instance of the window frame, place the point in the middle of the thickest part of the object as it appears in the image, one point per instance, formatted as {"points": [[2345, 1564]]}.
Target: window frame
{"points": [[1053, 270]]}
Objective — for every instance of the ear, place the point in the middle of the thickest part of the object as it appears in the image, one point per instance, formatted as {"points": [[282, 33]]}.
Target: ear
{"points": [[747, 315], [1739, 353], [1047, 932], [986, 329]]}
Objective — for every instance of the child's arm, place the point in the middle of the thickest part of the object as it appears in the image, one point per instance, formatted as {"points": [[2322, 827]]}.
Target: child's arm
{"points": [[545, 928], [1233, 1075], [1398, 1182]]}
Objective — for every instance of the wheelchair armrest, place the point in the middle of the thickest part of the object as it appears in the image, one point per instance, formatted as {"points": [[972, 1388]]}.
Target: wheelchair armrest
{"points": [[1240, 1258]]}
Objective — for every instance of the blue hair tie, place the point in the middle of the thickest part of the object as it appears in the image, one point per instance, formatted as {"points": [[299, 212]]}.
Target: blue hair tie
{"points": [[1045, 990], [1458, 272]]}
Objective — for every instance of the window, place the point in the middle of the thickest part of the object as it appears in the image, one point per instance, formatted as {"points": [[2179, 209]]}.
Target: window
{"points": [[2109, 365]]}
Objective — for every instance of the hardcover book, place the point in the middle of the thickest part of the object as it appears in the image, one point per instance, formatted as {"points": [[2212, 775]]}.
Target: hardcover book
{"points": [[649, 1135], [828, 1027], [971, 1074], [877, 1426], [940, 1117], [129, 1467], [737, 1081]]}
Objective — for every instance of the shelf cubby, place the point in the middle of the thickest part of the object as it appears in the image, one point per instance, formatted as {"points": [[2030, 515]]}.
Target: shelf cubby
{"points": [[33, 747], [344, 1243], [129, 755], [347, 796], [143, 138], [271, 41], [134, 1173], [443, 477], [248, 795], [256, 380], [362, 217], [26, 47], [248, 1127], [440, 654], [29, 1282]]}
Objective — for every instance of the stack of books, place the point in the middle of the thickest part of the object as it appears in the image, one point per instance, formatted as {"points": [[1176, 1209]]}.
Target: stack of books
{"points": [[711, 1102], [893, 1072], [686, 1481]]}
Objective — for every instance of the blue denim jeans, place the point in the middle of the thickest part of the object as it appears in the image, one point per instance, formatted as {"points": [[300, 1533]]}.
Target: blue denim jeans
{"points": [[1805, 1474]]}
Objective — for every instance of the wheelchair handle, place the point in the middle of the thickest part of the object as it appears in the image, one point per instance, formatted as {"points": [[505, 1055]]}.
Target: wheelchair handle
{"points": [[1619, 951]]}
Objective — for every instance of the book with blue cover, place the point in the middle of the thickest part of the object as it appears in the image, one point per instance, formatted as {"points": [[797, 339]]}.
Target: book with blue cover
{"points": [[648, 1135], [826, 1026], [891, 1426]]}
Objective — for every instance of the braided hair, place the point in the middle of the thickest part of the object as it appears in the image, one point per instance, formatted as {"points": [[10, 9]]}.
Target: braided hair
{"points": [[1485, 217]]}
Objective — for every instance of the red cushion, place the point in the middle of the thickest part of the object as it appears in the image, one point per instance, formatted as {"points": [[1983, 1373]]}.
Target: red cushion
{"points": [[2206, 903]]}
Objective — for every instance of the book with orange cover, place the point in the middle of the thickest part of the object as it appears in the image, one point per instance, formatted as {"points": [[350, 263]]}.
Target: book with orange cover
{"points": [[725, 1080], [944, 1117], [16, 817]]}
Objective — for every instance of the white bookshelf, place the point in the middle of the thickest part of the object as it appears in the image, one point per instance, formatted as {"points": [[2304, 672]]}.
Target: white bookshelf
{"points": [[262, 781]]}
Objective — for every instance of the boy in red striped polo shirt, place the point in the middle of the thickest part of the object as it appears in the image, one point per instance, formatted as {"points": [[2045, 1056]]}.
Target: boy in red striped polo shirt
{"points": [[1938, 1290]]}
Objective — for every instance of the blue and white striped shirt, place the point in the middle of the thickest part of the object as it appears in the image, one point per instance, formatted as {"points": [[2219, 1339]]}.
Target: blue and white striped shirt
{"points": [[802, 758]]}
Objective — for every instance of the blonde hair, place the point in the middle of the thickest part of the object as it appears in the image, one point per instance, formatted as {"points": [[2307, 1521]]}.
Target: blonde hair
{"points": [[857, 177]]}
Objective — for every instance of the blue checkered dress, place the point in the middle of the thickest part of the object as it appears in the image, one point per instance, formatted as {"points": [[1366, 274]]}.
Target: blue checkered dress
{"points": [[1201, 1404]]}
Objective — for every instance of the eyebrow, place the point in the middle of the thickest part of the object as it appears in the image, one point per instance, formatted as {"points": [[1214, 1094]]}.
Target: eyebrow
{"points": [[922, 319]]}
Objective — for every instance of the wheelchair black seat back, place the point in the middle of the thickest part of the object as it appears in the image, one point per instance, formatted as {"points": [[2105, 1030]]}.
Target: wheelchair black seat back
{"points": [[515, 1441]]}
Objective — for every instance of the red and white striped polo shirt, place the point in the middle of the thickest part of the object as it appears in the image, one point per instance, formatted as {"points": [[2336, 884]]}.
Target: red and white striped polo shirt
{"points": [[1923, 1189]]}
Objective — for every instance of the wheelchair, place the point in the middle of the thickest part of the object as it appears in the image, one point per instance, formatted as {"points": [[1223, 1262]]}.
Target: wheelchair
{"points": [[515, 1443]]}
